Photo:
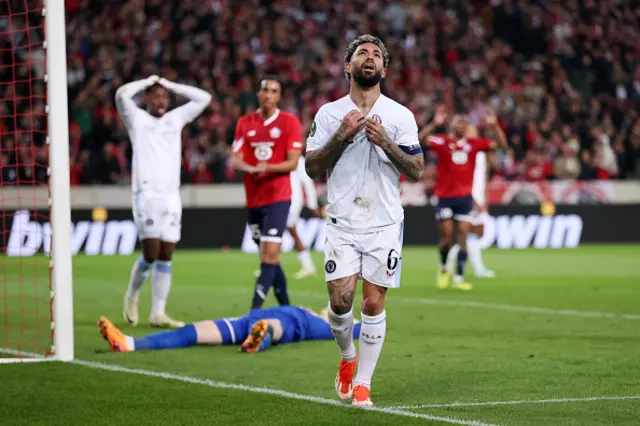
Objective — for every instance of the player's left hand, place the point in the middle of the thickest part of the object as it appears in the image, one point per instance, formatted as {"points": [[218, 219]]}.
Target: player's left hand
{"points": [[376, 133], [315, 212], [491, 119]]}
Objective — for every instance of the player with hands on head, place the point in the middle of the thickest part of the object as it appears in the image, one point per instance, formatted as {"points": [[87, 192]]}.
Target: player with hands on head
{"points": [[457, 154], [155, 134], [480, 208], [364, 142]]}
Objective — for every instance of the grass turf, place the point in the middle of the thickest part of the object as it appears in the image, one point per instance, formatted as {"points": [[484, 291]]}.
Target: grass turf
{"points": [[435, 351]]}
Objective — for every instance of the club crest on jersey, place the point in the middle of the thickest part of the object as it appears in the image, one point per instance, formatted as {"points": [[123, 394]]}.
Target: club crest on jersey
{"points": [[377, 118], [330, 266], [251, 133], [262, 150], [459, 157], [275, 133]]}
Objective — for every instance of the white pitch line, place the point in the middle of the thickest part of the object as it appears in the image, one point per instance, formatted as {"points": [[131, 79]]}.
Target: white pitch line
{"points": [[255, 389], [517, 402], [494, 306]]}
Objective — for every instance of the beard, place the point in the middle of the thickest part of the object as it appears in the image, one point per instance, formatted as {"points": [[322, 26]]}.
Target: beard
{"points": [[367, 81]]}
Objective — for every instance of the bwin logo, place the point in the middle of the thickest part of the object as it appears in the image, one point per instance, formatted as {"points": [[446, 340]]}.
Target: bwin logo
{"points": [[26, 238], [532, 231]]}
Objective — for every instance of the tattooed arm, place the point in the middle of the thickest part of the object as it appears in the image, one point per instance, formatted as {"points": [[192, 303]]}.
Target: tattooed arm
{"points": [[410, 163], [321, 159], [317, 162]]}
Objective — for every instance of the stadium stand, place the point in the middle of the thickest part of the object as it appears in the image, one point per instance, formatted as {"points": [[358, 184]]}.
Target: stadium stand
{"points": [[562, 75]]}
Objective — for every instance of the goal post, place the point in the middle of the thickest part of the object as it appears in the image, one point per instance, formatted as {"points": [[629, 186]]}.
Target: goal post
{"points": [[36, 301], [59, 187]]}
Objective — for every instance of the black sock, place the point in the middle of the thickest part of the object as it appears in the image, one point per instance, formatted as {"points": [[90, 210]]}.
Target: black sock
{"points": [[263, 284], [462, 260], [280, 286], [444, 253]]}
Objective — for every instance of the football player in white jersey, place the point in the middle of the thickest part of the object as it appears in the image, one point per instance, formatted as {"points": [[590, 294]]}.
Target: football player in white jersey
{"points": [[155, 135], [480, 211], [365, 141], [302, 186]]}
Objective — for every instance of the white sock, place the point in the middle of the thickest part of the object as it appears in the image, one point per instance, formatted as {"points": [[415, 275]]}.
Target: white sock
{"points": [[131, 343], [160, 286], [342, 329], [371, 340], [305, 259], [139, 274], [452, 257], [475, 253]]}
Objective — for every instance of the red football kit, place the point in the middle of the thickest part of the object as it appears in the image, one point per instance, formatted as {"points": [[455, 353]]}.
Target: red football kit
{"points": [[456, 163], [267, 141]]}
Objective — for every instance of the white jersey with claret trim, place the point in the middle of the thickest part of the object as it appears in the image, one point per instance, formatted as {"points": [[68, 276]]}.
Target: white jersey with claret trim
{"points": [[157, 141], [364, 186]]}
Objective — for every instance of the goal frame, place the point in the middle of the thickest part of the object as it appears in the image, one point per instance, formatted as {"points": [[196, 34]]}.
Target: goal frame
{"points": [[61, 274]]}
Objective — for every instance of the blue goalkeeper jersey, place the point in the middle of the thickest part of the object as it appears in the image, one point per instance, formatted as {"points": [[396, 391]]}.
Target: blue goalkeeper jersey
{"points": [[297, 324]]}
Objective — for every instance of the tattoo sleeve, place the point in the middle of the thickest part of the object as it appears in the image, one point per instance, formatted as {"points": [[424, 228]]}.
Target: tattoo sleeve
{"points": [[409, 165], [318, 161]]}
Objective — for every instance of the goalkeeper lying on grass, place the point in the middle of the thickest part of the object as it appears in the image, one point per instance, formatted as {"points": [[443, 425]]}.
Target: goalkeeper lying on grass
{"points": [[255, 331]]}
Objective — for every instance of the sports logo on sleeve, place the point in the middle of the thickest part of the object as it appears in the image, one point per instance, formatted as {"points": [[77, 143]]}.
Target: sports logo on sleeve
{"points": [[312, 132]]}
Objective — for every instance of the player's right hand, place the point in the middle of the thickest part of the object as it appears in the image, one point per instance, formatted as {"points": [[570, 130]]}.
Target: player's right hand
{"points": [[354, 121], [440, 115], [154, 78]]}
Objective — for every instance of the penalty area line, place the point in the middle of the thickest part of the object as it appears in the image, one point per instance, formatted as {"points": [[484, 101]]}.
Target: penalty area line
{"points": [[517, 402]]}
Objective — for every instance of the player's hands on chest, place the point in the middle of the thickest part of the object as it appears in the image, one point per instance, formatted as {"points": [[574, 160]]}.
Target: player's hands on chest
{"points": [[355, 124], [351, 124], [376, 133]]}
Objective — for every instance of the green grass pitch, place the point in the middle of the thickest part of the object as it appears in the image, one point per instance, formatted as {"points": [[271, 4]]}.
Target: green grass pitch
{"points": [[442, 347]]}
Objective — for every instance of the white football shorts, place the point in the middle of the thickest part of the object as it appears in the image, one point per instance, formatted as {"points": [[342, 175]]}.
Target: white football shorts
{"points": [[376, 256], [158, 215]]}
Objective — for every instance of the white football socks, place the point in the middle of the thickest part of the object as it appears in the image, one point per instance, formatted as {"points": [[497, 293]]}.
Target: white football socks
{"points": [[305, 260], [372, 336], [139, 274], [160, 286], [342, 329], [475, 253]]}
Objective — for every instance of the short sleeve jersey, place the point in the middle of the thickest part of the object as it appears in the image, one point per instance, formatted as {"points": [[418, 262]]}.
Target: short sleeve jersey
{"points": [[268, 141], [364, 186], [456, 163]]}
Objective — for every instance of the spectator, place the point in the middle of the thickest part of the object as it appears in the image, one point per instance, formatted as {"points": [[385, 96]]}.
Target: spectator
{"points": [[567, 166], [107, 167], [552, 70]]}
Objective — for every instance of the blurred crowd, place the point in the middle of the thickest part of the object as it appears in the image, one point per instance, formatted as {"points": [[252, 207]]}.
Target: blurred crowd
{"points": [[563, 76]]}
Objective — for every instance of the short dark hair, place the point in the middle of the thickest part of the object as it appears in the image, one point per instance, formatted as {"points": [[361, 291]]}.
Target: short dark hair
{"points": [[269, 77], [154, 86], [366, 38]]}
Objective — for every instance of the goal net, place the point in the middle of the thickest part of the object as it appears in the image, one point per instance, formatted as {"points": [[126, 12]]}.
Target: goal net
{"points": [[35, 270]]}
